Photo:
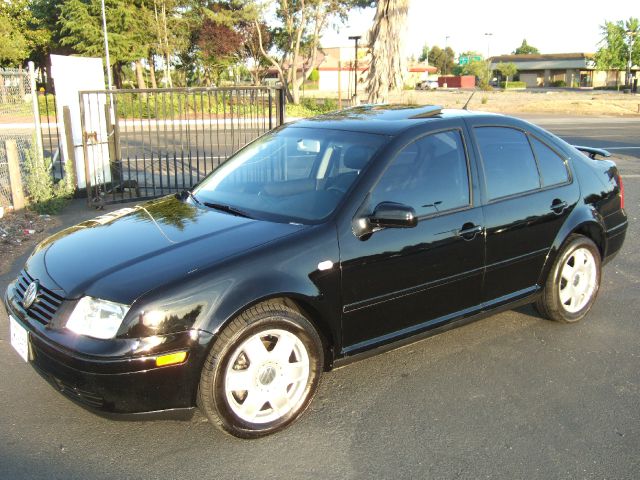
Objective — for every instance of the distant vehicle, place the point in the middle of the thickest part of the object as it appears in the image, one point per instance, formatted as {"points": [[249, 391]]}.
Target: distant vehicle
{"points": [[427, 85], [321, 242]]}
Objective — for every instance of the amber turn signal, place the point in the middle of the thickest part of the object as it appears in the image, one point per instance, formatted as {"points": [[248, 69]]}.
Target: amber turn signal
{"points": [[171, 359]]}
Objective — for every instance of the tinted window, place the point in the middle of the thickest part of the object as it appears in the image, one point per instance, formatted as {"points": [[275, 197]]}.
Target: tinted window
{"points": [[429, 175], [552, 168], [293, 174], [509, 165]]}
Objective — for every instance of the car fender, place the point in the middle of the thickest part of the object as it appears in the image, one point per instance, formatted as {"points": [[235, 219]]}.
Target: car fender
{"points": [[585, 219]]}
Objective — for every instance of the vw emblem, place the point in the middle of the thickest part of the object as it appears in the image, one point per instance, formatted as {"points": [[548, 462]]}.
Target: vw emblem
{"points": [[30, 294]]}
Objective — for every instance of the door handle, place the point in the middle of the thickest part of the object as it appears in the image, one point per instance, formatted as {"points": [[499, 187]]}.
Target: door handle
{"points": [[558, 206], [469, 231]]}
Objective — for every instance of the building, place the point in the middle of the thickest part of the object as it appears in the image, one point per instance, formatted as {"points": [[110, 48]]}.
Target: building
{"points": [[561, 69]]}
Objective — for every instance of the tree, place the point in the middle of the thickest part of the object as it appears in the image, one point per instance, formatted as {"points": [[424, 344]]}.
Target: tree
{"points": [[127, 27], [526, 49], [442, 59], [21, 34], [424, 55], [507, 70], [387, 68], [13, 44], [297, 37], [613, 53]]}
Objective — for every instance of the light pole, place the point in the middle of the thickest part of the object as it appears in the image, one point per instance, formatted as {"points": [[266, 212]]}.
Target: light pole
{"points": [[106, 45], [355, 73], [488, 35], [446, 41], [630, 35]]}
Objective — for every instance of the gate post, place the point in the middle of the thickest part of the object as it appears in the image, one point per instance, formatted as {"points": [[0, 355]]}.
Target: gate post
{"points": [[36, 107], [282, 102], [15, 177]]}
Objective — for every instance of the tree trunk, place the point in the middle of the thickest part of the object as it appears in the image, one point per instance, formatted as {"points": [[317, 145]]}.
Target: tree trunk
{"points": [[152, 70], [117, 75], [140, 74], [387, 68]]}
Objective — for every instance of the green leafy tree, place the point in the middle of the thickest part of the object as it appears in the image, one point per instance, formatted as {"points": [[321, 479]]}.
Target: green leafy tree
{"points": [[20, 33], [526, 49], [507, 70], [442, 59], [127, 26], [478, 68], [618, 40], [424, 54]]}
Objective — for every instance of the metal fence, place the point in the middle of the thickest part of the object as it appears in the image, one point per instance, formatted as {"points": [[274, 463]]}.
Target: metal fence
{"points": [[16, 123], [146, 143]]}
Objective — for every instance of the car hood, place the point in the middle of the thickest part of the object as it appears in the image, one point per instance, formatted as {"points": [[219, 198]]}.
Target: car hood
{"points": [[123, 254]]}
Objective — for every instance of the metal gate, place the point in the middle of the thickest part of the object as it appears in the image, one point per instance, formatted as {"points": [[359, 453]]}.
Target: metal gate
{"points": [[141, 144]]}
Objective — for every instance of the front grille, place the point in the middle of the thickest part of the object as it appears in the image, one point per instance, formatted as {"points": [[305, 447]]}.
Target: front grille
{"points": [[46, 304], [86, 397]]}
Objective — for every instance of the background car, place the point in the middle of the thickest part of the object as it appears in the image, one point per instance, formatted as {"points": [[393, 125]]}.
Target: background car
{"points": [[321, 242]]}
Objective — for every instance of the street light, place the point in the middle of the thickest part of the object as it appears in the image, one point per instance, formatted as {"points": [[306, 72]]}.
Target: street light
{"points": [[446, 40], [488, 35], [355, 74]]}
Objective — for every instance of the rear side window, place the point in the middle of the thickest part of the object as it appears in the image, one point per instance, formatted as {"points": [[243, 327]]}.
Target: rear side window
{"points": [[552, 168], [509, 165]]}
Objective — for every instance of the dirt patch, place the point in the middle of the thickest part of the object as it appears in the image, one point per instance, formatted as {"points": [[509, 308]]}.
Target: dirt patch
{"points": [[21, 232]]}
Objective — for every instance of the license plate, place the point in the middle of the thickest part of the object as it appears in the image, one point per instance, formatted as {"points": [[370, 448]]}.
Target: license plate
{"points": [[19, 338]]}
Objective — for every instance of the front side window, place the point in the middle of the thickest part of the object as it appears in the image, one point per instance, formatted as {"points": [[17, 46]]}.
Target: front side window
{"points": [[430, 175], [509, 164], [291, 175]]}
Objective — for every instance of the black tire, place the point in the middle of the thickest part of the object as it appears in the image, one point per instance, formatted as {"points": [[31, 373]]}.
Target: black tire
{"points": [[549, 304], [213, 397]]}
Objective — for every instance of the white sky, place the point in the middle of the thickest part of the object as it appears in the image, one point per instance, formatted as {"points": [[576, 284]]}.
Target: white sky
{"points": [[553, 26]]}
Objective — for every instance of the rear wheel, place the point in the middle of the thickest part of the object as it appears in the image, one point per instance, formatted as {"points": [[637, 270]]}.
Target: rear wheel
{"points": [[573, 283], [262, 372]]}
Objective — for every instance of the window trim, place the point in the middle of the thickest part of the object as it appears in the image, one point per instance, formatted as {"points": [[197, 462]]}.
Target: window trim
{"points": [[526, 133], [469, 205]]}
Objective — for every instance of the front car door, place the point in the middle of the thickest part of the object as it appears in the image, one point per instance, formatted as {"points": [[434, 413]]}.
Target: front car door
{"points": [[397, 281], [528, 192]]}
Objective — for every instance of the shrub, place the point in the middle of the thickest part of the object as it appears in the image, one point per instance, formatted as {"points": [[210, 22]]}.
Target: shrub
{"points": [[558, 83], [314, 76], [45, 196]]}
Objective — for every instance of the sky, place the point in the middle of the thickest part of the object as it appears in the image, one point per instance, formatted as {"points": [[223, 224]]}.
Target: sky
{"points": [[552, 26]]}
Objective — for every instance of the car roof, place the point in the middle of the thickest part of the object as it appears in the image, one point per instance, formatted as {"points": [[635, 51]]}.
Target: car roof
{"points": [[384, 119]]}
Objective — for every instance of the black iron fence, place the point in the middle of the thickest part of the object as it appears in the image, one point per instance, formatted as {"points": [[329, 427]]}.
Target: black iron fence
{"points": [[146, 143]]}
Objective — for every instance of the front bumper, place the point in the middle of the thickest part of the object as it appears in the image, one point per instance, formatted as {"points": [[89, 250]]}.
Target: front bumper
{"points": [[113, 381]]}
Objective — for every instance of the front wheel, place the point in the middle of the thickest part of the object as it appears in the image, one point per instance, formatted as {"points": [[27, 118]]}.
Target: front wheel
{"points": [[573, 283], [262, 372]]}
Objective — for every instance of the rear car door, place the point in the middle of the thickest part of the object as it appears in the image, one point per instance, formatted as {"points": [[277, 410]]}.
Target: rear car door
{"points": [[397, 281], [528, 193]]}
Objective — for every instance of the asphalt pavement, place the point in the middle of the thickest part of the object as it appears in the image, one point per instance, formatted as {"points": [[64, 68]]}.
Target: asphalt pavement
{"points": [[512, 396]]}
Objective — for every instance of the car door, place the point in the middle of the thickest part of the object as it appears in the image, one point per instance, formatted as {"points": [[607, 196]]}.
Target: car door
{"points": [[397, 281], [528, 192]]}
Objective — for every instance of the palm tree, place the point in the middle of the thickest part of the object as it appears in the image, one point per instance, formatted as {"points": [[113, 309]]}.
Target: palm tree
{"points": [[387, 68]]}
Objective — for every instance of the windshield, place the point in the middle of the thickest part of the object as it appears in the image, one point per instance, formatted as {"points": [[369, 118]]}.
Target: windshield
{"points": [[292, 175]]}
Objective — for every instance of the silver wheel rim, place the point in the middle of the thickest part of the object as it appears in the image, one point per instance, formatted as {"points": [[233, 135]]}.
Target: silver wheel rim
{"points": [[578, 280], [267, 376]]}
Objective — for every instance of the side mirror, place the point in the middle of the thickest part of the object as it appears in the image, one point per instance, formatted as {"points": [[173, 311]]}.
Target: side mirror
{"points": [[393, 215]]}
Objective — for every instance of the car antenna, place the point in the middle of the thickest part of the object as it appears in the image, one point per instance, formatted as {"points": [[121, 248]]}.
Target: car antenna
{"points": [[467, 104]]}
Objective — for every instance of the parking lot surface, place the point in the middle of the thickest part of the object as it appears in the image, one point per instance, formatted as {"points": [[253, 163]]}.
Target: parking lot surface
{"points": [[511, 396]]}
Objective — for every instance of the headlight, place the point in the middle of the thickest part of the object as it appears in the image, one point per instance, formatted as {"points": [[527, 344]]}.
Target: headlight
{"points": [[97, 318]]}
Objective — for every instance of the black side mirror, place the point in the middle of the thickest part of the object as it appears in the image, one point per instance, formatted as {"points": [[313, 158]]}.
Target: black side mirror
{"points": [[393, 215]]}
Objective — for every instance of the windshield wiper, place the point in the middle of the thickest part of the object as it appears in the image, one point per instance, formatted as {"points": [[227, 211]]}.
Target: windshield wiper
{"points": [[188, 193], [228, 209]]}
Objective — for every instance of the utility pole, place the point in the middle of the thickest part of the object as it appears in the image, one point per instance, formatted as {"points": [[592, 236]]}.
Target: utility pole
{"points": [[355, 75]]}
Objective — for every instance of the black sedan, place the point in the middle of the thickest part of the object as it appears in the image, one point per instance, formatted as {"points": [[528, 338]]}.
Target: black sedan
{"points": [[321, 242]]}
